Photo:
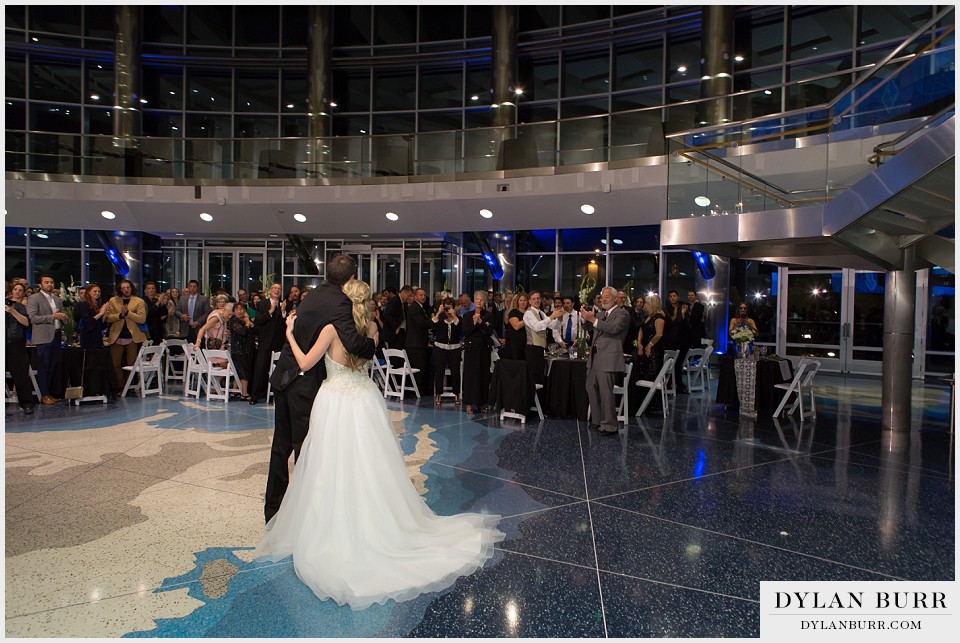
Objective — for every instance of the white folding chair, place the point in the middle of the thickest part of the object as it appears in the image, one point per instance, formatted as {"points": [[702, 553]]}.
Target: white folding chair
{"points": [[672, 377], [227, 371], [523, 416], [624, 391], [378, 372], [706, 342], [707, 373], [801, 383], [11, 398], [659, 384], [176, 366], [397, 388], [149, 364], [195, 373], [274, 356], [694, 368]]}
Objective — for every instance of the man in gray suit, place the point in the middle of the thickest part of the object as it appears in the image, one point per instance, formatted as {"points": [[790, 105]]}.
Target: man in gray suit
{"points": [[606, 359], [46, 314], [193, 309]]}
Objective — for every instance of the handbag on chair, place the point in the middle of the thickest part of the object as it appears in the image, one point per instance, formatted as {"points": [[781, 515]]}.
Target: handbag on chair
{"points": [[76, 392]]}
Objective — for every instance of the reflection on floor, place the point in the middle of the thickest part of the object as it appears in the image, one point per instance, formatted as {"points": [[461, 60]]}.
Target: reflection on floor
{"points": [[138, 518]]}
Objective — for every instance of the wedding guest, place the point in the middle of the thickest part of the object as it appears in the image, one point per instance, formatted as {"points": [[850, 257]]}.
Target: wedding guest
{"points": [[271, 329], [213, 334], [743, 318], [650, 346], [293, 298], [47, 315], [126, 314], [536, 324], [566, 334], [171, 325], [375, 318], [155, 313], [514, 334], [417, 341], [16, 360], [695, 315], [91, 324], [477, 328], [446, 349], [242, 348], [193, 310], [676, 336]]}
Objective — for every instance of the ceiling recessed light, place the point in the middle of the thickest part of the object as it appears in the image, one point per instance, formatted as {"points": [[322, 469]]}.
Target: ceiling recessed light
{"points": [[486, 214], [518, 91], [586, 208], [702, 201], [273, 235], [474, 98], [603, 241], [94, 97], [365, 235], [767, 92], [107, 214], [289, 105], [41, 235], [739, 59], [392, 216], [619, 242], [299, 217], [682, 69], [206, 216], [179, 234]]}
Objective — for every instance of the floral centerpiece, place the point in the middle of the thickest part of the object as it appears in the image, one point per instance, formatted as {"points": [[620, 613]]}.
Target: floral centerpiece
{"points": [[70, 296], [445, 291], [587, 286], [743, 337]]}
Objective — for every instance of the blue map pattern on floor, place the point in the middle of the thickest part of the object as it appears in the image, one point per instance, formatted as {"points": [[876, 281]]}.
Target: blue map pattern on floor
{"points": [[139, 518]]}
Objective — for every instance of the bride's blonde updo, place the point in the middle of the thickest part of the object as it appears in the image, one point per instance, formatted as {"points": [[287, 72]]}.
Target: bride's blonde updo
{"points": [[359, 294]]}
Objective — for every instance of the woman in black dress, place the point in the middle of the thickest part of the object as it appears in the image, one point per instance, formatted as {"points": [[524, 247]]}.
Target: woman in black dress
{"points": [[241, 346], [91, 312], [649, 357], [477, 328], [513, 332], [446, 349], [16, 358]]}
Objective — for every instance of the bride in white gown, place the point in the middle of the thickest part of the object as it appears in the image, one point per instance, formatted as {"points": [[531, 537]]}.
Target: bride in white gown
{"points": [[358, 531]]}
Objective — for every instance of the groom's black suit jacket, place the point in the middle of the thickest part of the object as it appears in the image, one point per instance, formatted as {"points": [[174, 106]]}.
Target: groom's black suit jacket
{"points": [[325, 305]]}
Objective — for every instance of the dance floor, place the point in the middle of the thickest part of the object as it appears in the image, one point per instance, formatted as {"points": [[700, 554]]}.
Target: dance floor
{"points": [[139, 518]]}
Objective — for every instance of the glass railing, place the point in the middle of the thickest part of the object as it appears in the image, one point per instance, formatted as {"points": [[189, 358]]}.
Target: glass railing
{"points": [[810, 155], [719, 163]]}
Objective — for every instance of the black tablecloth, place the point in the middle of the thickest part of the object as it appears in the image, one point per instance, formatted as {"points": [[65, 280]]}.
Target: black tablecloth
{"points": [[768, 376], [506, 391], [98, 374], [565, 393]]}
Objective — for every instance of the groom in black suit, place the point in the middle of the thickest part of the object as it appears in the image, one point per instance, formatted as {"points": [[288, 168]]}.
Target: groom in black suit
{"points": [[325, 305]]}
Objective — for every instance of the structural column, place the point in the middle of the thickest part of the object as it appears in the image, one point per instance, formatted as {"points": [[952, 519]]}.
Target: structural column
{"points": [[899, 306], [126, 85], [504, 57], [717, 65], [319, 74]]}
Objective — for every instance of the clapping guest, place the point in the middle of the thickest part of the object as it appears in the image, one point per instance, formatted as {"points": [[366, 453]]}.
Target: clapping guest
{"points": [[477, 327], [292, 299], [125, 313], [446, 349], [375, 318], [537, 324], [650, 344], [16, 360], [92, 311], [417, 341], [271, 331], [171, 325], [47, 315], [241, 346], [193, 310]]}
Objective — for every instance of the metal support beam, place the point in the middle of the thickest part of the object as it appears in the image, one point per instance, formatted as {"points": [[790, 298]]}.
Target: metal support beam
{"points": [[900, 299], [319, 74]]}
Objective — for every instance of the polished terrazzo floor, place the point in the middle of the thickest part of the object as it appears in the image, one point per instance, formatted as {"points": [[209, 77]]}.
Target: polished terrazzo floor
{"points": [[138, 518]]}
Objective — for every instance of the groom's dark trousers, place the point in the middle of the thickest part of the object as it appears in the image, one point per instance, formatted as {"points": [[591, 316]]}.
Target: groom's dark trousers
{"points": [[325, 305]]}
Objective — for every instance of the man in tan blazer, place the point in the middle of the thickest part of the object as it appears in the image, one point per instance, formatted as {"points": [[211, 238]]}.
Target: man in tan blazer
{"points": [[125, 313]]}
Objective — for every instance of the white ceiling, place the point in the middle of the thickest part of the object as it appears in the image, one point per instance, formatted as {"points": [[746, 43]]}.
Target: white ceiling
{"points": [[636, 196]]}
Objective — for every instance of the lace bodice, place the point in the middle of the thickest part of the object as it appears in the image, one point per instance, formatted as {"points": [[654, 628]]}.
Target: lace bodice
{"points": [[342, 379]]}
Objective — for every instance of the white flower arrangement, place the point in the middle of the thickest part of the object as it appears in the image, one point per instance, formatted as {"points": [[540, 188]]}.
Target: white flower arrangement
{"points": [[743, 334], [587, 286]]}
